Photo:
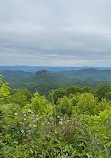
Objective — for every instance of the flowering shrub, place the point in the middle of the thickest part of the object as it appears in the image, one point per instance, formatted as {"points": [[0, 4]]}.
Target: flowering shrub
{"points": [[4, 91], [76, 126]]}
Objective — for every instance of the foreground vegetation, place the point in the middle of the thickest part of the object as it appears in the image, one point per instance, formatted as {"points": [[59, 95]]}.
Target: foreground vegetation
{"points": [[74, 123]]}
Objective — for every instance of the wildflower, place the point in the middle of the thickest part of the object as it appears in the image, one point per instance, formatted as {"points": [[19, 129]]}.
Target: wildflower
{"points": [[15, 114], [60, 122], [22, 131], [30, 125], [29, 110], [42, 124], [36, 119], [50, 118]]}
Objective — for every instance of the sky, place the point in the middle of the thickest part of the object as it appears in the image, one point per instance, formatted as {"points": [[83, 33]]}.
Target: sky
{"points": [[55, 32]]}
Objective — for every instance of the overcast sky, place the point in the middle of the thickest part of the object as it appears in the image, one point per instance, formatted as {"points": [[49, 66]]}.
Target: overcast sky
{"points": [[55, 32]]}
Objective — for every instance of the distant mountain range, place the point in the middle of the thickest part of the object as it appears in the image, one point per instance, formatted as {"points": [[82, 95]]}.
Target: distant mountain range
{"points": [[44, 81], [89, 74], [48, 68]]}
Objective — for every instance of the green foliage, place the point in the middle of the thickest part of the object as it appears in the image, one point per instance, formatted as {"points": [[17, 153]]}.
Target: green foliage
{"points": [[76, 125], [4, 91], [64, 106], [101, 106], [86, 104], [40, 105], [103, 91], [87, 90], [57, 94], [73, 90], [21, 97], [99, 128]]}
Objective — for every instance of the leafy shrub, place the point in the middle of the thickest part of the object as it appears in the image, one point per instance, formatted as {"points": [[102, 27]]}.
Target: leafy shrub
{"points": [[76, 126]]}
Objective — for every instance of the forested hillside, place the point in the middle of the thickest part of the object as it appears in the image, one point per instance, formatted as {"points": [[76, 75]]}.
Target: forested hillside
{"points": [[89, 74], [75, 122], [45, 81], [10, 75]]}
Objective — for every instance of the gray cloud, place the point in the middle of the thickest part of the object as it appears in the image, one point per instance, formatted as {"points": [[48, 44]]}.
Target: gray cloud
{"points": [[58, 32]]}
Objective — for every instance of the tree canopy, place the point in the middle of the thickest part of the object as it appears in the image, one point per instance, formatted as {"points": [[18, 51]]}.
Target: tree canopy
{"points": [[75, 123]]}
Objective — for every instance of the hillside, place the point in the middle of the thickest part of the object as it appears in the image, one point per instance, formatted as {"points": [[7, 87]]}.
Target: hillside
{"points": [[43, 73], [60, 76], [12, 75], [89, 74], [44, 81]]}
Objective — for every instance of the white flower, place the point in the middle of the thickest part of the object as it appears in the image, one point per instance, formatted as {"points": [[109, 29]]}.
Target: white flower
{"points": [[30, 125], [60, 122], [22, 131], [29, 110], [24, 114], [50, 118], [42, 124], [36, 119], [24, 119], [15, 114]]}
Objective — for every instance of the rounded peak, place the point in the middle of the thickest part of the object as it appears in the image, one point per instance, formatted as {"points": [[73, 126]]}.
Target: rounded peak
{"points": [[43, 73]]}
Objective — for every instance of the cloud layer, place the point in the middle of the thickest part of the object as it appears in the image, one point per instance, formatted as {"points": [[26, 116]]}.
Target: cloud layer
{"points": [[55, 33]]}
